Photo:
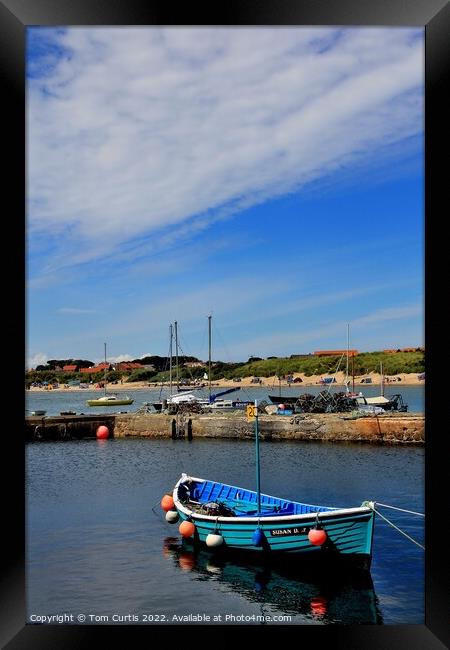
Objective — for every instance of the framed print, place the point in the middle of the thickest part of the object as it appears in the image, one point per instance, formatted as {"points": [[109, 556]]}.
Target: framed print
{"points": [[274, 171]]}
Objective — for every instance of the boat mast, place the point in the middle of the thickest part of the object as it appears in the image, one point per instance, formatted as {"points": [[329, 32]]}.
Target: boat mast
{"points": [[209, 357], [176, 356], [348, 346], [258, 475], [171, 355], [381, 379], [104, 374], [353, 372]]}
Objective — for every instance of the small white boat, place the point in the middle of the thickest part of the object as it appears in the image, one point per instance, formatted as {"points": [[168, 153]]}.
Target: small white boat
{"points": [[393, 403], [112, 398], [222, 405], [107, 400]]}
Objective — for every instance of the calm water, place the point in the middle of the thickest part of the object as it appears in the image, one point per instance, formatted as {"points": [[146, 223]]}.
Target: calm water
{"points": [[98, 544], [55, 402]]}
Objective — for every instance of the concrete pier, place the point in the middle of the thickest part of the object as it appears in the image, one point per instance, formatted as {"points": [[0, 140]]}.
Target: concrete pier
{"points": [[66, 427], [389, 428]]}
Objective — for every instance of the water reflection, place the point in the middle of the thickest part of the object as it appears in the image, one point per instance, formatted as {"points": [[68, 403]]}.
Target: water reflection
{"points": [[317, 595]]}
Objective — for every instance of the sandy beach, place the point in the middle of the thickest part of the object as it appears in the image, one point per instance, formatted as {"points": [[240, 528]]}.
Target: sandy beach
{"points": [[410, 379]]}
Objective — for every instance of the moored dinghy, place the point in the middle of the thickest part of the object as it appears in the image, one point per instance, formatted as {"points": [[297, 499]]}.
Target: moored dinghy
{"points": [[227, 516], [107, 400], [281, 526]]}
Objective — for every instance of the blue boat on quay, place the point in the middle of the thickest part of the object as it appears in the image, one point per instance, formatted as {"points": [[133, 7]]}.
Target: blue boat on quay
{"points": [[235, 518]]}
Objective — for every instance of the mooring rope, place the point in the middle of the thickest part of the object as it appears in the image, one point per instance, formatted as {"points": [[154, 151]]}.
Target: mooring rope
{"points": [[411, 512], [397, 528], [154, 511]]}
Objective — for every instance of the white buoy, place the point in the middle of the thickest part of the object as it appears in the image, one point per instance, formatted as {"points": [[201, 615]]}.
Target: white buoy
{"points": [[172, 516], [212, 568], [213, 540]]}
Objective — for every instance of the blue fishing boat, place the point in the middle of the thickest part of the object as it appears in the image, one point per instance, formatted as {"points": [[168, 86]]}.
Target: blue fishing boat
{"points": [[221, 515]]}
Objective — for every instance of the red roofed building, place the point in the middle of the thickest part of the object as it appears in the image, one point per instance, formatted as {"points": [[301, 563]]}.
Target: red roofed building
{"points": [[126, 365], [99, 368], [70, 368]]}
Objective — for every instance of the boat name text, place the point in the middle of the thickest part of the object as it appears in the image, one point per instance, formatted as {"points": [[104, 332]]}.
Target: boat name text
{"points": [[281, 532]]}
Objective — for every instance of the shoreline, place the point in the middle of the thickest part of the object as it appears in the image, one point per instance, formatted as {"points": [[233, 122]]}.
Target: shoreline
{"points": [[271, 383]]}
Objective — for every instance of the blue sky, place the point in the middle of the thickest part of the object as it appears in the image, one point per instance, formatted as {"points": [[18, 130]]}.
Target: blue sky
{"points": [[270, 177]]}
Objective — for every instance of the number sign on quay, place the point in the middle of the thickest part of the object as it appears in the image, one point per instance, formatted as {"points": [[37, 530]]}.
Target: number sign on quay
{"points": [[251, 412]]}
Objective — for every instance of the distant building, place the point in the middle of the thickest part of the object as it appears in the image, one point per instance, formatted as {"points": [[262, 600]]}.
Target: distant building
{"points": [[126, 365], [194, 364], [335, 353], [101, 367], [70, 368]]}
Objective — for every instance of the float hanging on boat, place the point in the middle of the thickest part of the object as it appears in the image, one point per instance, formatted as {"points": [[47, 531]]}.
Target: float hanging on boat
{"points": [[247, 520]]}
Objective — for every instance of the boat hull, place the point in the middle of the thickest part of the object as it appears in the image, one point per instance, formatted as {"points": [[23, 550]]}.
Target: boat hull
{"points": [[279, 399], [349, 532], [118, 402]]}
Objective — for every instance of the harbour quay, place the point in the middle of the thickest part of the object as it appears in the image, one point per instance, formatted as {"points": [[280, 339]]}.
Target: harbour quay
{"points": [[388, 428]]}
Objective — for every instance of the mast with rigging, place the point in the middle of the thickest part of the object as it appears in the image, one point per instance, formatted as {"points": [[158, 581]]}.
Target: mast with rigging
{"points": [[170, 357], [209, 356], [176, 357]]}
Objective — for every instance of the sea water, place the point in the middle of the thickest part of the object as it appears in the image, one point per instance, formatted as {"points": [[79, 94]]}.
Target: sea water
{"points": [[99, 551]]}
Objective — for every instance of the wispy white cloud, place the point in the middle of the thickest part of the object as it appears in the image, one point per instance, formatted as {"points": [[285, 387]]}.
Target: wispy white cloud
{"points": [[391, 313], [36, 359], [118, 358], [165, 130], [294, 338]]}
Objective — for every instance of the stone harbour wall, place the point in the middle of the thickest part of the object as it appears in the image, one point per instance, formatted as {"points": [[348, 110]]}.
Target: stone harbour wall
{"points": [[398, 428]]}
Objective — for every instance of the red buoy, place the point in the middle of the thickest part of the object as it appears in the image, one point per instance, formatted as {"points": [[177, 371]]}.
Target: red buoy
{"points": [[167, 502], [186, 528], [319, 606], [102, 432], [317, 536]]}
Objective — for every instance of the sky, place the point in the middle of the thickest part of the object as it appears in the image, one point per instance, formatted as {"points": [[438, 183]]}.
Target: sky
{"points": [[272, 178]]}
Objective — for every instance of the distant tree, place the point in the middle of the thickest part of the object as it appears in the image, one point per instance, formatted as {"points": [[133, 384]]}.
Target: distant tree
{"points": [[141, 375]]}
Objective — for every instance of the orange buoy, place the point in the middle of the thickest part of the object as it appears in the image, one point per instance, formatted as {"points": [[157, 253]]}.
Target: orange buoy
{"points": [[102, 432], [186, 528], [167, 502], [317, 536]]}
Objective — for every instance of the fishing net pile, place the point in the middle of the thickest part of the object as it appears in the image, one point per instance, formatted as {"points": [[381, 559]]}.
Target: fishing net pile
{"points": [[325, 402]]}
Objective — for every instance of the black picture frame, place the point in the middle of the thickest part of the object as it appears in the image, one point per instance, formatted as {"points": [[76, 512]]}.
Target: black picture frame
{"points": [[15, 17]]}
